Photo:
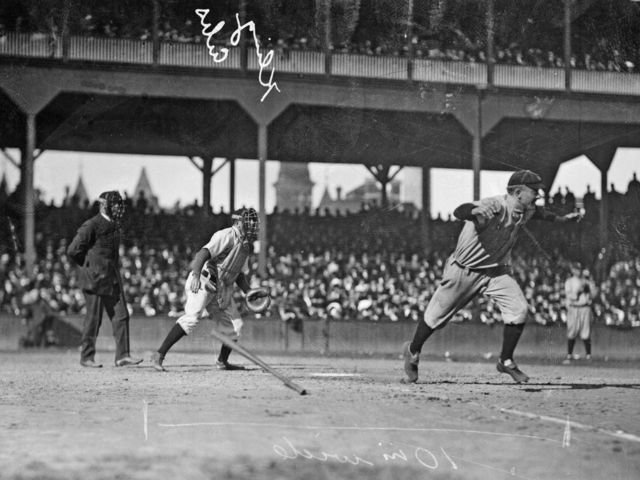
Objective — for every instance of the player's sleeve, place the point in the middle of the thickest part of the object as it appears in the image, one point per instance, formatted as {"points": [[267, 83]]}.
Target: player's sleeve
{"points": [[463, 212], [218, 243]]}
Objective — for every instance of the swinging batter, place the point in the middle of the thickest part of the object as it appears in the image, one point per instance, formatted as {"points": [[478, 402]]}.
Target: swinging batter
{"points": [[480, 264]]}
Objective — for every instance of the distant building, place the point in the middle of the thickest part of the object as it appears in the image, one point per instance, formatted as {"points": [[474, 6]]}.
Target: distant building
{"points": [[80, 195], [143, 196], [369, 193], [293, 187], [411, 186]]}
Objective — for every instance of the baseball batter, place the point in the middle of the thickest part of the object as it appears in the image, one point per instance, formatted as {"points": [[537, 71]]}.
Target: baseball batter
{"points": [[214, 270], [579, 293], [480, 264]]}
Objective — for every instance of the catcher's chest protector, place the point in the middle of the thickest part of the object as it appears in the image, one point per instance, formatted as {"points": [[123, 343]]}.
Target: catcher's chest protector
{"points": [[229, 269], [232, 265]]}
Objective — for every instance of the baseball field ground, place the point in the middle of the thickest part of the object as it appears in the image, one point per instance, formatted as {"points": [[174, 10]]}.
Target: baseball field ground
{"points": [[462, 420]]}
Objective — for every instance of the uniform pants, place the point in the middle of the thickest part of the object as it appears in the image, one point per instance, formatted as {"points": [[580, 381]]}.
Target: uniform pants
{"points": [[229, 319], [579, 322], [116, 309], [460, 285]]}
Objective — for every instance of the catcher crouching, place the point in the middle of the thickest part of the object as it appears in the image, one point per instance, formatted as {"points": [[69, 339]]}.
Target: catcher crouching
{"points": [[217, 266]]}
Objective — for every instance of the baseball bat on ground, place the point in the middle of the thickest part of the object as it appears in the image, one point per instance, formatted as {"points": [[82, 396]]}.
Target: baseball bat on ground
{"points": [[250, 356]]}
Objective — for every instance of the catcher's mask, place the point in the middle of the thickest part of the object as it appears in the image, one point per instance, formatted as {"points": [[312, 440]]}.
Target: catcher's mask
{"points": [[113, 205], [249, 220]]}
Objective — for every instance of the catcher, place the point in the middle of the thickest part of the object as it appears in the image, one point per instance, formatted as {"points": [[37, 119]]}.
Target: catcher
{"points": [[214, 270]]}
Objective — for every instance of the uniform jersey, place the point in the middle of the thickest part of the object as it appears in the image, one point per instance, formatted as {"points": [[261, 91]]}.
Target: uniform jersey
{"points": [[487, 242], [578, 292], [229, 319], [220, 245], [579, 295]]}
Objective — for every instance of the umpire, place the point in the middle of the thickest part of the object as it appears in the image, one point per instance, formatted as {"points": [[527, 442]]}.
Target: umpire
{"points": [[95, 250]]}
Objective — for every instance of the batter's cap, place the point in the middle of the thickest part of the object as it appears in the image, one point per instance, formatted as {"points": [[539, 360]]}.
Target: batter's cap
{"points": [[528, 178]]}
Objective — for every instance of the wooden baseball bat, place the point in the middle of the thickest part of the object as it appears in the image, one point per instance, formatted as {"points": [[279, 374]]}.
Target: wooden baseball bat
{"points": [[14, 237], [253, 358], [14, 241]]}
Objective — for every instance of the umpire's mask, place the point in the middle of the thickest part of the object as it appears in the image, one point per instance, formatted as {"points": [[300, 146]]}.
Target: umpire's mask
{"points": [[113, 205]]}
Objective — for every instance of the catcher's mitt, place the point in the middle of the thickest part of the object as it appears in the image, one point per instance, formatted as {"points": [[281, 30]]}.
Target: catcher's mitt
{"points": [[258, 299]]}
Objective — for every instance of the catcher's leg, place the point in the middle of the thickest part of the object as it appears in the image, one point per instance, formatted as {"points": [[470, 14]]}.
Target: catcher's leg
{"points": [[231, 325], [195, 304]]}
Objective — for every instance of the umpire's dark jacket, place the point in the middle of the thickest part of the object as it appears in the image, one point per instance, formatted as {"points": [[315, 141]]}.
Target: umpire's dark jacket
{"points": [[95, 250]]}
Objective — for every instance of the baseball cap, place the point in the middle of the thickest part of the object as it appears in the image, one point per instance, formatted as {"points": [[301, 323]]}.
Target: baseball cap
{"points": [[110, 194], [526, 177]]}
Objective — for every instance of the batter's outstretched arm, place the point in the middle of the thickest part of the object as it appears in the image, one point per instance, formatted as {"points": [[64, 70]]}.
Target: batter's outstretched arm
{"points": [[543, 214]]}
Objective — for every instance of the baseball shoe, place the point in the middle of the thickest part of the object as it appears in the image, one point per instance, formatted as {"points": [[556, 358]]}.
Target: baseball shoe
{"points": [[128, 360], [567, 360], [228, 366], [588, 357], [156, 362], [411, 361], [510, 367], [90, 364]]}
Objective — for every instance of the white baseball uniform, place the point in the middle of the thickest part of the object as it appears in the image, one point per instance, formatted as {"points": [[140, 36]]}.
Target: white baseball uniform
{"points": [[579, 295], [230, 321]]}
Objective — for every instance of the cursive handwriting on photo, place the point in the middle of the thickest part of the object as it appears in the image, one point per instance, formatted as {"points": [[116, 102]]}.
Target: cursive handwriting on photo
{"points": [[390, 453], [220, 54]]}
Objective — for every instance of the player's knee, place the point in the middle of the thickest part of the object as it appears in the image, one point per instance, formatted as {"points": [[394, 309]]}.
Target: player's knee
{"points": [[431, 322], [187, 325], [516, 316]]}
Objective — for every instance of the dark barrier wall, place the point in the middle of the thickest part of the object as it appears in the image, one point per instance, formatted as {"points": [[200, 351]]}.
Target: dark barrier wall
{"points": [[346, 338]]}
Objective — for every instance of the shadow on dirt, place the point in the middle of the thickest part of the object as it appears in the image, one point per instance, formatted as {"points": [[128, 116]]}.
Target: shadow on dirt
{"points": [[537, 387], [579, 386]]}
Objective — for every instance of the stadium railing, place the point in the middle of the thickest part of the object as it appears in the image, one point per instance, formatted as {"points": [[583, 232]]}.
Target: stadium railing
{"points": [[195, 55]]}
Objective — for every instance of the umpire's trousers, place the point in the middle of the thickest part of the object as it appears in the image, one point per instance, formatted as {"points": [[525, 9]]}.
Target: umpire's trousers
{"points": [[116, 308]]}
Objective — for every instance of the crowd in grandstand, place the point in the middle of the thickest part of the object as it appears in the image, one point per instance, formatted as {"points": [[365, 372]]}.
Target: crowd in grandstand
{"points": [[452, 31], [372, 263]]}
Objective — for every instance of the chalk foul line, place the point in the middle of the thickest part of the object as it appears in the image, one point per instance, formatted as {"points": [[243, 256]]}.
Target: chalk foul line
{"points": [[145, 418], [581, 426], [360, 429]]}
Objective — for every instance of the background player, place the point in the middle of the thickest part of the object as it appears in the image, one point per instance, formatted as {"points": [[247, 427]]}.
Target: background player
{"points": [[579, 292], [216, 267], [481, 264]]}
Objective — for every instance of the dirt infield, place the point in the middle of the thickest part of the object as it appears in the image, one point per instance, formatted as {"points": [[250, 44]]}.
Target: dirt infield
{"points": [[461, 421]]}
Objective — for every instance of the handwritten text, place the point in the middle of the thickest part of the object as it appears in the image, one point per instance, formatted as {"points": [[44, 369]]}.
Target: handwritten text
{"points": [[220, 54]]}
